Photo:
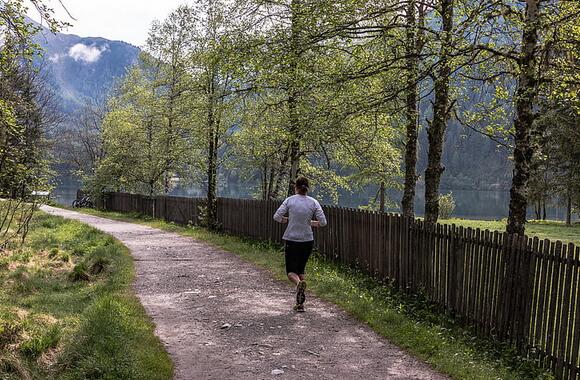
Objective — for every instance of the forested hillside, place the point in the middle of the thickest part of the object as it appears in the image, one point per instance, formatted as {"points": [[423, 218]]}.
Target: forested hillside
{"points": [[81, 68]]}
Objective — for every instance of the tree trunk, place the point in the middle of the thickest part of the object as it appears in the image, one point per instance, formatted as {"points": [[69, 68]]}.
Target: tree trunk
{"points": [[212, 158], [280, 176], [524, 117], [382, 197], [569, 209], [294, 163], [412, 113], [544, 209], [441, 108]]}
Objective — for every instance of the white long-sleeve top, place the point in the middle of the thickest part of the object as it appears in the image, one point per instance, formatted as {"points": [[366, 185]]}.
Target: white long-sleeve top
{"points": [[301, 210]]}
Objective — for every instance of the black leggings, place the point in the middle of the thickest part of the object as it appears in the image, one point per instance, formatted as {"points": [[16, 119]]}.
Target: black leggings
{"points": [[297, 254]]}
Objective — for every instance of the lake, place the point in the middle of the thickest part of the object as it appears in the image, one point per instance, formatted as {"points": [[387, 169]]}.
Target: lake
{"points": [[470, 204]]}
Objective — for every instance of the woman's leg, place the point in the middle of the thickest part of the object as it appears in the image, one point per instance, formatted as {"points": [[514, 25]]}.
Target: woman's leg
{"points": [[294, 278]]}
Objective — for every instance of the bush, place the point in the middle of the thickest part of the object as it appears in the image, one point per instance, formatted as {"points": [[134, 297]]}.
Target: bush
{"points": [[446, 206]]}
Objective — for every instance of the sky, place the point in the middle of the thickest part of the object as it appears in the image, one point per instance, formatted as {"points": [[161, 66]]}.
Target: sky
{"points": [[125, 20]]}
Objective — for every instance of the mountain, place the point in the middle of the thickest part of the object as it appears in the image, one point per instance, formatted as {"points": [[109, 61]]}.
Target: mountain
{"points": [[77, 68]]}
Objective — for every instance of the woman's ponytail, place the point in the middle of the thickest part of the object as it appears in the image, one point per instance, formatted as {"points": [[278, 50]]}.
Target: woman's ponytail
{"points": [[302, 185]]}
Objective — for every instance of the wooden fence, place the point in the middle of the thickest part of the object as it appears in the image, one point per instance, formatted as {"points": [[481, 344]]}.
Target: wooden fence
{"points": [[522, 290]]}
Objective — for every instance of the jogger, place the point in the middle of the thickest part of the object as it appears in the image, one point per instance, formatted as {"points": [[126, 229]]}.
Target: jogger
{"points": [[303, 212]]}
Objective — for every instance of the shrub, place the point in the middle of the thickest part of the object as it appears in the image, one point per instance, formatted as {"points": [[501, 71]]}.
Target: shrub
{"points": [[446, 206]]}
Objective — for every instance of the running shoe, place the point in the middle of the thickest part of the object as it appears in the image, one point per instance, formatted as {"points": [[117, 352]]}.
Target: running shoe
{"points": [[300, 295], [299, 308]]}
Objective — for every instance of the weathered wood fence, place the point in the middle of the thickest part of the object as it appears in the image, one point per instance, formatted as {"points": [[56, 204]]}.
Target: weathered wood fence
{"points": [[522, 290]]}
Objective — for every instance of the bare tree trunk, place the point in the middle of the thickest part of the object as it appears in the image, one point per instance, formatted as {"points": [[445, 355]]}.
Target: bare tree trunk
{"points": [[212, 157], [569, 209], [524, 101], [544, 209], [382, 197], [412, 113], [280, 176], [441, 108]]}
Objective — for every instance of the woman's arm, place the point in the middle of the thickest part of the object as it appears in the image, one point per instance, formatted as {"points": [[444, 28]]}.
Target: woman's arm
{"points": [[279, 215], [320, 217]]}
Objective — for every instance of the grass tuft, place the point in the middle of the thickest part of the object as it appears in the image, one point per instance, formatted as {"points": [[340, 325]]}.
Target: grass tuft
{"points": [[79, 273], [41, 339]]}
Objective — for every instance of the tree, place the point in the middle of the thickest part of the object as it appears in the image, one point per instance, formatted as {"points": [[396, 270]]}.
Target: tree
{"points": [[167, 54], [80, 144], [212, 91], [26, 113], [441, 113], [514, 50], [413, 47], [139, 146], [557, 160]]}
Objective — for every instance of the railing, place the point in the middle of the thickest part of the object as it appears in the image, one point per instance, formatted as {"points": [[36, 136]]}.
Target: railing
{"points": [[523, 290]]}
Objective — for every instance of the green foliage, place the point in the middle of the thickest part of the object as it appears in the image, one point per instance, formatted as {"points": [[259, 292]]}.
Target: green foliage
{"points": [[446, 206]]}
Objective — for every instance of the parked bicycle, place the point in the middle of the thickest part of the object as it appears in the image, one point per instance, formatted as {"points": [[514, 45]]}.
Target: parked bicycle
{"points": [[84, 202]]}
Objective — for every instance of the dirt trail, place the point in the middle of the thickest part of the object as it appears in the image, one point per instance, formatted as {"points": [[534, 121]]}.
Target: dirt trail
{"points": [[192, 290]]}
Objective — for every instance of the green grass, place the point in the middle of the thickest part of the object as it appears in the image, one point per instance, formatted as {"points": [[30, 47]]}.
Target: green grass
{"points": [[409, 322], [67, 310], [544, 229]]}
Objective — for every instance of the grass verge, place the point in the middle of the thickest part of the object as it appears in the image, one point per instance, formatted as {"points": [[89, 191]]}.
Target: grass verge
{"points": [[543, 229], [67, 310], [409, 322]]}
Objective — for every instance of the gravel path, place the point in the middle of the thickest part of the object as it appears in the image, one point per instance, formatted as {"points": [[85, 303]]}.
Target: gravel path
{"points": [[222, 318]]}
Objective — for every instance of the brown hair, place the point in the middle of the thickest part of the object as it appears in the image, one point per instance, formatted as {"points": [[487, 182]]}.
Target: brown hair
{"points": [[302, 185]]}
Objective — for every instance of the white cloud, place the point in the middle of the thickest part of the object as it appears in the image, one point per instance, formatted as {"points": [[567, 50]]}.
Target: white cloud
{"points": [[85, 53]]}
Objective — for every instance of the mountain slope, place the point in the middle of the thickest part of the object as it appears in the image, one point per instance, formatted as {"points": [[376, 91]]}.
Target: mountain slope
{"points": [[82, 67]]}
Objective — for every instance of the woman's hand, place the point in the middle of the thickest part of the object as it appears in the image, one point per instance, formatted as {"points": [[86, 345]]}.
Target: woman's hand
{"points": [[315, 223], [284, 220]]}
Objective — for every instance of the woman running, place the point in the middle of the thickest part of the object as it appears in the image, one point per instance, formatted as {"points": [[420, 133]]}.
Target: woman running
{"points": [[301, 210]]}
